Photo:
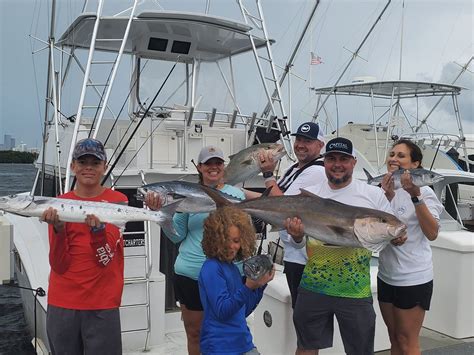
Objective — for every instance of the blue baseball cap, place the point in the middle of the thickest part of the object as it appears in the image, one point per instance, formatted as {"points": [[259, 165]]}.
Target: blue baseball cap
{"points": [[89, 146], [309, 130]]}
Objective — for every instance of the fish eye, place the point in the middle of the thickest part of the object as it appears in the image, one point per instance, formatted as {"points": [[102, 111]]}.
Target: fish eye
{"points": [[384, 220]]}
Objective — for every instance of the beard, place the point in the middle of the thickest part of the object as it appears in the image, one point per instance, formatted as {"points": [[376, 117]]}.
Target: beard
{"points": [[339, 181]]}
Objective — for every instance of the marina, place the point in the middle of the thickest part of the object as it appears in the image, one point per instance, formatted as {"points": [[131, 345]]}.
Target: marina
{"points": [[187, 76]]}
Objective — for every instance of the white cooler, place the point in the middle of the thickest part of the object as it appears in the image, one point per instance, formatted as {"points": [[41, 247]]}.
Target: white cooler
{"points": [[452, 305]]}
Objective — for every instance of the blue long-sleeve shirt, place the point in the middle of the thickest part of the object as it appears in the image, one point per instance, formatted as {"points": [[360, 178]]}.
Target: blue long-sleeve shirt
{"points": [[227, 302]]}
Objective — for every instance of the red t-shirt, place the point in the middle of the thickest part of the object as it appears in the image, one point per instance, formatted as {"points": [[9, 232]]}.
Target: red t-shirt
{"points": [[86, 267]]}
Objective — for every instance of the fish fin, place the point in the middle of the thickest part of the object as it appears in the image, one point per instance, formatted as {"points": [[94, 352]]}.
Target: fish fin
{"points": [[369, 177], [277, 228], [120, 225], [304, 192], [168, 211], [267, 192], [214, 194], [247, 162], [337, 230], [231, 156], [176, 196]]}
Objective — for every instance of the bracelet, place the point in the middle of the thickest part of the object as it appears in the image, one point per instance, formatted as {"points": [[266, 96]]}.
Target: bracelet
{"points": [[99, 228], [267, 174]]}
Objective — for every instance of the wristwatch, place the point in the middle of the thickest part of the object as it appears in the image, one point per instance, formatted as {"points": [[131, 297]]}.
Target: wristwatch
{"points": [[267, 174], [417, 200]]}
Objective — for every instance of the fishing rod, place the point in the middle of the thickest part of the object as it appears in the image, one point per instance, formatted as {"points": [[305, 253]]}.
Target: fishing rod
{"points": [[121, 109], [139, 123], [115, 123]]}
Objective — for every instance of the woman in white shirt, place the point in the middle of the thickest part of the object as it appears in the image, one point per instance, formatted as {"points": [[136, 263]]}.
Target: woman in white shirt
{"points": [[405, 278]]}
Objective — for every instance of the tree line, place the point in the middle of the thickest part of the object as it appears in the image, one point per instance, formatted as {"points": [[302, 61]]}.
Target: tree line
{"points": [[10, 156]]}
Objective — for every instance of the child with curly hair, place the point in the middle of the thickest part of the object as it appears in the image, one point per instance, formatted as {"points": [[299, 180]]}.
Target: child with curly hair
{"points": [[229, 236]]}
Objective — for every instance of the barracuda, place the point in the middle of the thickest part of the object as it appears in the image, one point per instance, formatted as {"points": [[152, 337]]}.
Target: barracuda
{"points": [[76, 210]]}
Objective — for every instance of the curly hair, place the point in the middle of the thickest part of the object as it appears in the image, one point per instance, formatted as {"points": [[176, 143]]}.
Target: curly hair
{"points": [[216, 232]]}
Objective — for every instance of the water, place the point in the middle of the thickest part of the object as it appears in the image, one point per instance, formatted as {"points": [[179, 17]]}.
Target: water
{"points": [[14, 334]]}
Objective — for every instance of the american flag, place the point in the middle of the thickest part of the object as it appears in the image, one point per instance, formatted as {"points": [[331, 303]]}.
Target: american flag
{"points": [[315, 59]]}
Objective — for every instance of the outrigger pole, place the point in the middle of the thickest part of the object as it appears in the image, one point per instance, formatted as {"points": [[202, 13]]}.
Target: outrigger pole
{"points": [[354, 55], [48, 91]]}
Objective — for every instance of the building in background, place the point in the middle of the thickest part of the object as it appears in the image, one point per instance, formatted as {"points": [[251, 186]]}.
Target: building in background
{"points": [[8, 142]]}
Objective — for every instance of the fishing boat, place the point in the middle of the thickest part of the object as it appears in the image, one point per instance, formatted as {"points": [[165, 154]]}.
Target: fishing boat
{"points": [[373, 130], [182, 92]]}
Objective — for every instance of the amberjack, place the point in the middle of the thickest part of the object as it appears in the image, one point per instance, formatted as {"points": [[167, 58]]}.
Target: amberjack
{"points": [[324, 219], [245, 164]]}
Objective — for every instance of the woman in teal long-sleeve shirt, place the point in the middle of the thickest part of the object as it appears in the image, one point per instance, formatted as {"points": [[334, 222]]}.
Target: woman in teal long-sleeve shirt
{"points": [[189, 228]]}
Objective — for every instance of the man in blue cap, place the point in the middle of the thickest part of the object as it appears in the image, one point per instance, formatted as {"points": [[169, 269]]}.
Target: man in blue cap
{"points": [[309, 141]]}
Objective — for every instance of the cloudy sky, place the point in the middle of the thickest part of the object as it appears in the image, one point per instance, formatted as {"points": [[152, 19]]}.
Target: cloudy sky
{"points": [[437, 39]]}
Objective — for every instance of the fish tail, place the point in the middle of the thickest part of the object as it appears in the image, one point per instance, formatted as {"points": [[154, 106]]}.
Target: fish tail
{"points": [[218, 199], [165, 217], [369, 177]]}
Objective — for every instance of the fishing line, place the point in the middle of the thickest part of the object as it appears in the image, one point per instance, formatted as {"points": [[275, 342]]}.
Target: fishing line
{"points": [[37, 292], [139, 123], [121, 109], [436, 153]]}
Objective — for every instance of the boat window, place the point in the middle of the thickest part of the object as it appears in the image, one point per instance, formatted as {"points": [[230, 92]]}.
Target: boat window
{"points": [[133, 235], [180, 47], [50, 185], [157, 44]]}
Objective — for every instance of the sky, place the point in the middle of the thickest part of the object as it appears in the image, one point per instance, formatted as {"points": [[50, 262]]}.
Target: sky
{"points": [[437, 40]]}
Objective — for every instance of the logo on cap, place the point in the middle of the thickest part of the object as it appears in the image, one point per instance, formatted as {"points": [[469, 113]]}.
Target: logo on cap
{"points": [[305, 128], [338, 146]]}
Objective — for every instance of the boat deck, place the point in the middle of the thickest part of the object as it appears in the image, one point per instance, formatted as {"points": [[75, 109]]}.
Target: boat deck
{"points": [[431, 343]]}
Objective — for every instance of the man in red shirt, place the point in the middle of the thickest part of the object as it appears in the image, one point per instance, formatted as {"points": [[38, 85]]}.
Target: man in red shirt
{"points": [[86, 279]]}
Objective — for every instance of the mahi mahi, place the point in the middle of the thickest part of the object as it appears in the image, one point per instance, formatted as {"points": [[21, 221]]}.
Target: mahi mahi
{"points": [[77, 210], [245, 164], [324, 219]]}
